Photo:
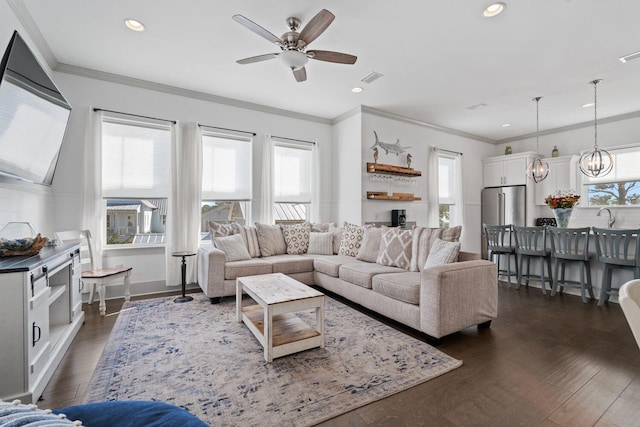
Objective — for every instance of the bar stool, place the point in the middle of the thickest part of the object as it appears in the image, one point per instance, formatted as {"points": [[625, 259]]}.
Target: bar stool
{"points": [[571, 245], [616, 248], [499, 243], [531, 243]]}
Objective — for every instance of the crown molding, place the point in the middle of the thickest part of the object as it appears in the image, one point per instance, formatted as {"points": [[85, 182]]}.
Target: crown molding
{"points": [[174, 90], [381, 113], [23, 15], [575, 126], [346, 115]]}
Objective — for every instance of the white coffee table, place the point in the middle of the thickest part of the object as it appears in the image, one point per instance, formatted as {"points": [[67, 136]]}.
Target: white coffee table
{"points": [[273, 320]]}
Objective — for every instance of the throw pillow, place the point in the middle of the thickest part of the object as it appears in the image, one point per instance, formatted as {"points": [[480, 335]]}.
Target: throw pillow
{"points": [[451, 234], [233, 247], [322, 227], [395, 248], [423, 239], [270, 239], [320, 243], [217, 229], [337, 238], [442, 252], [18, 414], [370, 246], [296, 237], [249, 236], [351, 239]]}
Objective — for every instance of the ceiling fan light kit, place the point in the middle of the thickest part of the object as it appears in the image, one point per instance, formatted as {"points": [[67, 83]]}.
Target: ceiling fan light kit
{"points": [[538, 169], [293, 45], [597, 162]]}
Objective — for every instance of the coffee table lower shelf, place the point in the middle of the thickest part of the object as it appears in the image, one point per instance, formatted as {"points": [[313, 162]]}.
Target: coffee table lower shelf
{"points": [[290, 334]]}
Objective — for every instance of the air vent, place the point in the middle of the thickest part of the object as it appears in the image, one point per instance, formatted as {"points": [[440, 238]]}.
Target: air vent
{"points": [[629, 57], [371, 77]]}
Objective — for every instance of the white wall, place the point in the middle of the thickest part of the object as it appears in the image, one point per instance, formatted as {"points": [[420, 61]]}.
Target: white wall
{"points": [[346, 168], [420, 138]]}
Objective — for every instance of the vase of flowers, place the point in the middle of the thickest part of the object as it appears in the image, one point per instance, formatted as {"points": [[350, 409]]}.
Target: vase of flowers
{"points": [[561, 203]]}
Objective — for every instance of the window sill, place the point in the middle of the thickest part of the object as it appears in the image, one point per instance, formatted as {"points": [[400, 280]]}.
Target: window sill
{"points": [[111, 248]]}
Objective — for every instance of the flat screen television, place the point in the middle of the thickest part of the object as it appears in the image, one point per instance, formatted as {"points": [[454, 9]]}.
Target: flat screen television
{"points": [[33, 116]]}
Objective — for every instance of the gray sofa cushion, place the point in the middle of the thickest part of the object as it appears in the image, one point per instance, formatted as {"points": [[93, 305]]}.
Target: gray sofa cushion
{"points": [[288, 264], [401, 286], [330, 265], [361, 273], [250, 267]]}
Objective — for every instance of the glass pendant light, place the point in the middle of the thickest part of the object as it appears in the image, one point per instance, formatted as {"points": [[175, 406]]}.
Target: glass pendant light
{"points": [[538, 169], [596, 163]]}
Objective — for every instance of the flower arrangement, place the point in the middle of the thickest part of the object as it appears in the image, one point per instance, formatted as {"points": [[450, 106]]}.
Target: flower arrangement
{"points": [[562, 199]]}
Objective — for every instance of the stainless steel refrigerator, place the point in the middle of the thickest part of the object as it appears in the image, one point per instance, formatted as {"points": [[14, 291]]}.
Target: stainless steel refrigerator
{"points": [[503, 206]]}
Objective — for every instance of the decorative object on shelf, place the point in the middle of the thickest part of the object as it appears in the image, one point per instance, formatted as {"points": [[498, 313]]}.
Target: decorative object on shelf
{"points": [[507, 150], [375, 154], [596, 163], [555, 152], [562, 203], [409, 160], [538, 169], [389, 148]]}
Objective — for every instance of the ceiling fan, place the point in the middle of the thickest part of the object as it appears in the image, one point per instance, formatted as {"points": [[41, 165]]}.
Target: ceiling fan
{"points": [[293, 45]]}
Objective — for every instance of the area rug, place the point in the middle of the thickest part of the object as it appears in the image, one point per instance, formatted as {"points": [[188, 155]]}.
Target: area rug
{"points": [[197, 356]]}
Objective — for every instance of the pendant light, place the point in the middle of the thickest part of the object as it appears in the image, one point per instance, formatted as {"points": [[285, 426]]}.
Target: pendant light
{"points": [[538, 169], [596, 163]]}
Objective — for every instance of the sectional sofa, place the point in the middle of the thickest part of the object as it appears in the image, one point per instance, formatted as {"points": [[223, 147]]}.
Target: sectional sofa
{"points": [[397, 273]]}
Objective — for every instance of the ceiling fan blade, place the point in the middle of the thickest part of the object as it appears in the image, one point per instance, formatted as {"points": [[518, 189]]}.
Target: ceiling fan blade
{"points": [[258, 58], [316, 26], [257, 29], [300, 75], [330, 56]]}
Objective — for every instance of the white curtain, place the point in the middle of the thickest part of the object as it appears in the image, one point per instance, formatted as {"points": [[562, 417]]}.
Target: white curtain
{"points": [[314, 215], [458, 217], [183, 231], [91, 184], [266, 204], [432, 188]]}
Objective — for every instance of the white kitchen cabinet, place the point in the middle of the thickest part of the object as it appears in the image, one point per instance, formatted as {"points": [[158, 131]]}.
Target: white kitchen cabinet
{"points": [[506, 170], [562, 176], [40, 314]]}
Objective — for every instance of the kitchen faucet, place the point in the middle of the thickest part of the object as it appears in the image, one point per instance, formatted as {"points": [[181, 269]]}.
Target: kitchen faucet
{"points": [[612, 219]]}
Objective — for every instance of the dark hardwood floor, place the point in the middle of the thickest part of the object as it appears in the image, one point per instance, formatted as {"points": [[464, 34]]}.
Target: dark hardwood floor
{"points": [[544, 362]]}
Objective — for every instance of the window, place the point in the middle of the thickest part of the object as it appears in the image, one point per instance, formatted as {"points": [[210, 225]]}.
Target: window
{"points": [[621, 187], [448, 177], [226, 179], [136, 179], [292, 170]]}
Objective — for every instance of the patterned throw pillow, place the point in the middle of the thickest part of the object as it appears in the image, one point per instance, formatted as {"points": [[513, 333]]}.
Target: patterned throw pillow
{"points": [[270, 239], [217, 229], [17, 414], [320, 243], [442, 252], [395, 248], [233, 247], [250, 237], [351, 239], [296, 237]]}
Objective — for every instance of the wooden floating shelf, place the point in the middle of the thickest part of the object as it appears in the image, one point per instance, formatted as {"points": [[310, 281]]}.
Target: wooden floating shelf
{"points": [[380, 195], [392, 170]]}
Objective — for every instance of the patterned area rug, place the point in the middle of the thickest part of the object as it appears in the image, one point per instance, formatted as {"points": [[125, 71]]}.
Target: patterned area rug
{"points": [[195, 355]]}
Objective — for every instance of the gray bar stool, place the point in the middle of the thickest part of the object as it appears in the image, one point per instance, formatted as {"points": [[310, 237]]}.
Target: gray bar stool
{"points": [[616, 248], [499, 243], [531, 243], [571, 245]]}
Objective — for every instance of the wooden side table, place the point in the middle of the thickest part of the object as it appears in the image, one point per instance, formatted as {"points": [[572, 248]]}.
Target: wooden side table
{"points": [[184, 255]]}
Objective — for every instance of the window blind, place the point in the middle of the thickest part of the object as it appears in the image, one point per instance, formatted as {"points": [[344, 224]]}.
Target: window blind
{"points": [[446, 180], [226, 167], [136, 158], [292, 173]]}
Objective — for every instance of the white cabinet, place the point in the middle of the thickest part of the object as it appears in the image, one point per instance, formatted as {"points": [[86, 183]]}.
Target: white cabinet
{"points": [[506, 170], [562, 176], [40, 314]]}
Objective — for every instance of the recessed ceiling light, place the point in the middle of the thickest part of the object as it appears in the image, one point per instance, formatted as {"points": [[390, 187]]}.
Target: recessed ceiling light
{"points": [[356, 90], [494, 9], [506, 125], [588, 104], [134, 25]]}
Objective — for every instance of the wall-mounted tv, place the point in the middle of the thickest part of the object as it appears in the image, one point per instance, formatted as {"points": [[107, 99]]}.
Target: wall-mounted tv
{"points": [[33, 116]]}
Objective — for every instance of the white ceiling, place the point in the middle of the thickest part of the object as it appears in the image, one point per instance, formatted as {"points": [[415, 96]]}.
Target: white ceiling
{"points": [[438, 57]]}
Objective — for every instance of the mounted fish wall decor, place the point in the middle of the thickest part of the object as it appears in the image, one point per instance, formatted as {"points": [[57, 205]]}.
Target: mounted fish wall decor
{"points": [[387, 147]]}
